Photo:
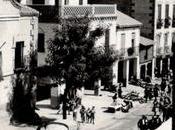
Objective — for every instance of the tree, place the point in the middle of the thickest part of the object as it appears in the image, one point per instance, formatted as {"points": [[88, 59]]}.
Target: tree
{"points": [[21, 107], [73, 56]]}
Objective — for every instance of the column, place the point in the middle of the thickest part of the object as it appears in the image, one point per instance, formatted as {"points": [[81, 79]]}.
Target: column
{"points": [[137, 68], [161, 64], [168, 63], [153, 68], [115, 73], [146, 70], [126, 71]]}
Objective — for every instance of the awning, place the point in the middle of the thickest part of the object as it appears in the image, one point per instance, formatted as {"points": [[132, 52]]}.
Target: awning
{"points": [[146, 41]]}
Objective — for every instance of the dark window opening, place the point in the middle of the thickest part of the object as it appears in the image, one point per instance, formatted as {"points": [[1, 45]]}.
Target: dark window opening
{"points": [[38, 1], [41, 47], [19, 50], [80, 2]]}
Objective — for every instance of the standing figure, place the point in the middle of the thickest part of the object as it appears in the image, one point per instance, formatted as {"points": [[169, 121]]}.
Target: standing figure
{"points": [[156, 91], [75, 113], [82, 113], [143, 123], [120, 91], [114, 98], [92, 115], [88, 115]]}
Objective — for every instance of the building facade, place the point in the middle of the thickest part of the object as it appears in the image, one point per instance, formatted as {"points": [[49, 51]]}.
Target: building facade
{"points": [[157, 17], [19, 29], [122, 32]]}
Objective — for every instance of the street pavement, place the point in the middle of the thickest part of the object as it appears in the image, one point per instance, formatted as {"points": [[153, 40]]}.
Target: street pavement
{"points": [[104, 120]]}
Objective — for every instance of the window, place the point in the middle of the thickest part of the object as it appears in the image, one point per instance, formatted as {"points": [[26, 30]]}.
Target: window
{"points": [[80, 2], [159, 11], [173, 11], [167, 11], [123, 41], [166, 39], [19, 55], [66, 2], [107, 35], [41, 47], [133, 40], [39, 2]]}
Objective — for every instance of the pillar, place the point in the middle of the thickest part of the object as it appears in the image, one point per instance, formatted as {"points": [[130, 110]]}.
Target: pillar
{"points": [[168, 63], [161, 65], [153, 68], [115, 73], [137, 68], [146, 70], [126, 71]]}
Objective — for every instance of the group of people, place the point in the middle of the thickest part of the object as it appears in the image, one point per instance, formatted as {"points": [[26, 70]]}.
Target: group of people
{"points": [[162, 95], [152, 124], [87, 115]]}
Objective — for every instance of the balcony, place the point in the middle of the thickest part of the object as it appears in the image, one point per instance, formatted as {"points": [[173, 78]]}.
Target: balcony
{"points": [[159, 23], [92, 10], [129, 52], [167, 22]]}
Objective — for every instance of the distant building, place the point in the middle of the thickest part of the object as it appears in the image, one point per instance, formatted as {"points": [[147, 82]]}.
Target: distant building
{"points": [[158, 18], [122, 32], [19, 29]]}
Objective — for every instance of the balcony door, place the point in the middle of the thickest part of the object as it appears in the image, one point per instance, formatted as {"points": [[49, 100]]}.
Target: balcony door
{"points": [[19, 55]]}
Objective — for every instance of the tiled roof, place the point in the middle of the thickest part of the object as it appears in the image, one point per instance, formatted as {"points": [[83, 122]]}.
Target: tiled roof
{"points": [[124, 20], [146, 41], [25, 10]]}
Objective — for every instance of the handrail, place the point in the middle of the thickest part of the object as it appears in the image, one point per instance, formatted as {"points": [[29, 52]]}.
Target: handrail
{"points": [[2, 45]]}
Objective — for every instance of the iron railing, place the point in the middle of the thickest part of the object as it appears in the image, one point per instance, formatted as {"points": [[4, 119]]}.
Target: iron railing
{"points": [[129, 52]]}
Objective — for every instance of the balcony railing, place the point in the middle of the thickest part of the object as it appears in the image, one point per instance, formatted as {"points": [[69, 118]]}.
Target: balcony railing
{"points": [[167, 22], [159, 23], [94, 10], [129, 52]]}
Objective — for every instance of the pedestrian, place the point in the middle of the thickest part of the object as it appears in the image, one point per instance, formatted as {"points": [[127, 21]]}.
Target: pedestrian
{"points": [[82, 113], [156, 91], [75, 113], [143, 123], [120, 91], [146, 93], [115, 98], [88, 115], [156, 106], [92, 117]]}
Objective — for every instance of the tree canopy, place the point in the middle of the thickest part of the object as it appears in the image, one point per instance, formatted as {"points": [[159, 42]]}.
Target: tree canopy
{"points": [[72, 53]]}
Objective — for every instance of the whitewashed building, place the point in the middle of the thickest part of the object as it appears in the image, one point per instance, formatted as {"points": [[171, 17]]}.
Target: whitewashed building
{"points": [[122, 32], [18, 29]]}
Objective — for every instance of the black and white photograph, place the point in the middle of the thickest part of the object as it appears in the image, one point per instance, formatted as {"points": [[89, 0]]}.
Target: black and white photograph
{"points": [[87, 64]]}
